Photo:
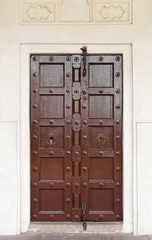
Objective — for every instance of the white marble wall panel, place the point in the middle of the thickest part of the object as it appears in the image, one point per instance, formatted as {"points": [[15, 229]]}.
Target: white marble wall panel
{"points": [[9, 178], [144, 175]]}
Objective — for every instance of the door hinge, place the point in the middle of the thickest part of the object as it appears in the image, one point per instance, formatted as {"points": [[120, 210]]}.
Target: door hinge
{"points": [[84, 53], [83, 209]]}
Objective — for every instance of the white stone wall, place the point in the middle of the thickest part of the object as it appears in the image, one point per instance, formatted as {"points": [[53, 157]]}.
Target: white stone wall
{"points": [[44, 23]]}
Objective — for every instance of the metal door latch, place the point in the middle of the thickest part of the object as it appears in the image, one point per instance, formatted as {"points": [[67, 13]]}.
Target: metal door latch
{"points": [[84, 53], [83, 208]]}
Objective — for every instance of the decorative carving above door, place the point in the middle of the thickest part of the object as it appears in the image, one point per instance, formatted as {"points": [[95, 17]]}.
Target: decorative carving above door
{"points": [[75, 11]]}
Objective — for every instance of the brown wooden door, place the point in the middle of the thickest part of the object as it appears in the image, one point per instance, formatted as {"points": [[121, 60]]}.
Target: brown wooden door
{"points": [[76, 138]]}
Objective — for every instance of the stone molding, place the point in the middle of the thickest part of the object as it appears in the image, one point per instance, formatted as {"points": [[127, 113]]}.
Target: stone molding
{"points": [[75, 11]]}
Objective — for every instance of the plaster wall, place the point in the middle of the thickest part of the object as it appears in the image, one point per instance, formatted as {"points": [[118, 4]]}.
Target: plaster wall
{"points": [[134, 29]]}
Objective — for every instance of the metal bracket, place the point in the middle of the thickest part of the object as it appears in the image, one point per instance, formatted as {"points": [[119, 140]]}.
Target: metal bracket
{"points": [[84, 208], [84, 53]]}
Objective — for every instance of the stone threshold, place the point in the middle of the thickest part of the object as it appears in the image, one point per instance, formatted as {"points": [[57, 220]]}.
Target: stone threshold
{"points": [[70, 227]]}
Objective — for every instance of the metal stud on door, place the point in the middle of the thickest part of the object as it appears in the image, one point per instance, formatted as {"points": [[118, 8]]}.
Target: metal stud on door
{"points": [[76, 137]]}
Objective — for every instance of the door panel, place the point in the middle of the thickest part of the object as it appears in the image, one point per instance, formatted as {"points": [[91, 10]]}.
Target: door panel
{"points": [[76, 137]]}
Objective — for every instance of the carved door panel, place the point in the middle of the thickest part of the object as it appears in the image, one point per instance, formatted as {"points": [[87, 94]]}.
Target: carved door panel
{"points": [[76, 135], [101, 164]]}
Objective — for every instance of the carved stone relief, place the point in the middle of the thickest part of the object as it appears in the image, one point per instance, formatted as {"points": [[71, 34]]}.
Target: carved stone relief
{"points": [[75, 11], [112, 11], [36, 12]]}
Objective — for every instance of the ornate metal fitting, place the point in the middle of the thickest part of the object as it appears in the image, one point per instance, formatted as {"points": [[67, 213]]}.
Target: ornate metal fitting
{"points": [[51, 58], [51, 90], [117, 74], [51, 185], [35, 169], [68, 169], [101, 184], [101, 58], [35, 121], [68, 75], [118, 91], [101, 91], [84, 169], [34, 74], [35, 58], [84, 53], [117, 58], [35, 91], [68, 184], [35, 106], [51, 122], [76, 59], [84, 122], [68, 90], [68, 106], [68, 59]]}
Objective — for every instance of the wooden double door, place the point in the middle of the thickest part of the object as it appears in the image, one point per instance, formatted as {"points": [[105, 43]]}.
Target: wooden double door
{"points": [[76, 138]]}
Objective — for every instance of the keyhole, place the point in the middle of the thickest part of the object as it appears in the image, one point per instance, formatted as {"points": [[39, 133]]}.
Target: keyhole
{"points": [[51, 140]]}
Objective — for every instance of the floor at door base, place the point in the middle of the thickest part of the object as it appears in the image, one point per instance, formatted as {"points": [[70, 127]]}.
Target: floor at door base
{"points": [[75, 227]]}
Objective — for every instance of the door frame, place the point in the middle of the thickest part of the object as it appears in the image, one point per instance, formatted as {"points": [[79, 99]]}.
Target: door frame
{"points": [[129, 218]]}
